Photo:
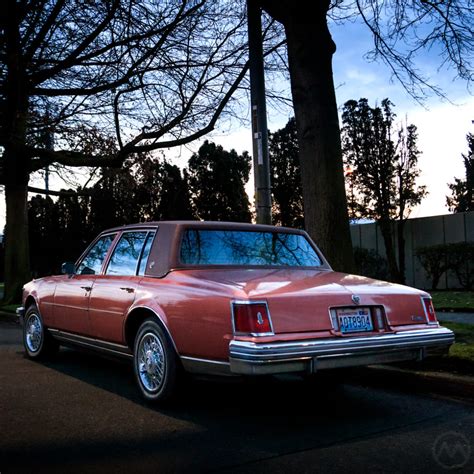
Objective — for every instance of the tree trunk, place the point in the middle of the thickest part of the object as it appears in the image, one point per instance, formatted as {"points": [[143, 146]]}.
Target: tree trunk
{"points": [[310, 50], [17, 263], [435, 281], [386, 230], [15, 163], [401, 250]]}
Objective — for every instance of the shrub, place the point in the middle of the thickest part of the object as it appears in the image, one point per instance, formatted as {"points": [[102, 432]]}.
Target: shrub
{"points": [[461, 263], [369, 263], [434, 259], [456, 258]]}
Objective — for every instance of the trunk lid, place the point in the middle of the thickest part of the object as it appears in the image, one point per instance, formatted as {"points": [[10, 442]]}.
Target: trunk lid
{"points": [[299, 300]]}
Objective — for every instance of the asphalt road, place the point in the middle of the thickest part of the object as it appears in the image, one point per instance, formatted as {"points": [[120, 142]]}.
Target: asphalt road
{"points": [[81, 413]]}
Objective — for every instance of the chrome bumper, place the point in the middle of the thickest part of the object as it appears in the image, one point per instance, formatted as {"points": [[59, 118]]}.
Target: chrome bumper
{"points": [[316, 354]]}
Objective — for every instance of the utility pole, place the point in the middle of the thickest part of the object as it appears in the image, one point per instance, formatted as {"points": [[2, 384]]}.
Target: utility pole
{"points": [[49, 145], [261, 162]]}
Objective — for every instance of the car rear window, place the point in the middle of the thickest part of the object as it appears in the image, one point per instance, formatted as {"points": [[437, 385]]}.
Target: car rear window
{"points": [[229, 247]]}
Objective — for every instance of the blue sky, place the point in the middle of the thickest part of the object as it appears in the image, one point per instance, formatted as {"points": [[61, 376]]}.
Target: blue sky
{"points": [[442, 124]]}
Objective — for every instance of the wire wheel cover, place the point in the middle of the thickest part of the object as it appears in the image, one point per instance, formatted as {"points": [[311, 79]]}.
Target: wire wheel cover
{"points": [[34, 332], [151, 362]]}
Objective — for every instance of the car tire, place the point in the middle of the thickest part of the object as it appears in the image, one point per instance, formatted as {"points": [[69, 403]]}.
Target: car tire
{"points": [[37, 341], [155, 362]]}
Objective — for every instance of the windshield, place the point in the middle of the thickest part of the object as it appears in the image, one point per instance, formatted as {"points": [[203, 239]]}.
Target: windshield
{"points": [[231, 247]]}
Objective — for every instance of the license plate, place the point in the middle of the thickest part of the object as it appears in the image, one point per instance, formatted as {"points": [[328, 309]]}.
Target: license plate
{"points": [[354, 320]]}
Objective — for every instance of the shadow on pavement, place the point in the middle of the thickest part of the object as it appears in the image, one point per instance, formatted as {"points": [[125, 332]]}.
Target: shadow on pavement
{"points": [[213, 424]]}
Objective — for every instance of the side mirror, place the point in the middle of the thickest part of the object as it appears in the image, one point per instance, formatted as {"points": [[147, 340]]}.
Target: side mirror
{"points": [[68, 268]]}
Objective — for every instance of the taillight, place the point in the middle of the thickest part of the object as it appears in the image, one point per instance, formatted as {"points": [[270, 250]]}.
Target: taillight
{"points": [[429, 310], [251, 319]]}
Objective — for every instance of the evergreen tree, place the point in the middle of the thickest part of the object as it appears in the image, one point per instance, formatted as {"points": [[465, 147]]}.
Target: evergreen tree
{"points": [[175, 202], [43, 233], [161, 191], [286, 177], [462, 191], [73, 226], [112, 202], [217, 181], [384, 169]]}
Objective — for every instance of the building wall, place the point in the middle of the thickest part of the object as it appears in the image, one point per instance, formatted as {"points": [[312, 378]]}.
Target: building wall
{"points": [[420, 232]]}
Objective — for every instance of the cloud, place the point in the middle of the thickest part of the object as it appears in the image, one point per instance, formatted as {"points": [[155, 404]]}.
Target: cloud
{"points": [[442, 139]]}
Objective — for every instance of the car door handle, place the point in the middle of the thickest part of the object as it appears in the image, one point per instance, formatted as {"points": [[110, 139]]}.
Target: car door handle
{"points": [[128, 290], [87, 288]]}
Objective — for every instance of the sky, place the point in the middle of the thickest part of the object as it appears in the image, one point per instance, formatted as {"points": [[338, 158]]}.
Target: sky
{"points": [[442, 125]]}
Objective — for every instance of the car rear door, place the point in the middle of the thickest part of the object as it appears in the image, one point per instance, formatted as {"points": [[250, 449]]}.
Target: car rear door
{"points": [[114, 292], [71, 298]]}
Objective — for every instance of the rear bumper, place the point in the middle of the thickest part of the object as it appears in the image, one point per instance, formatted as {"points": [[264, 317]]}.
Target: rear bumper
{"points": [[316, 354]]}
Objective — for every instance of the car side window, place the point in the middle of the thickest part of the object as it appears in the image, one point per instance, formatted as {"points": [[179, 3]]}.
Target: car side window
{"points": [[125, 257], [92, 262], [146, 252]]}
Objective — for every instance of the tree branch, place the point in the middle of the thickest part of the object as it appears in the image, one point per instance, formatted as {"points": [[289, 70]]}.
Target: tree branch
{"points": [[42, 157], [44, 29], [50, 192], [70, 60], [133, 147], [132, 71]]}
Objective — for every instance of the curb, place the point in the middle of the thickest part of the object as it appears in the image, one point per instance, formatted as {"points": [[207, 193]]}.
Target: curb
{"points": [[454, 310], [440, 383]]}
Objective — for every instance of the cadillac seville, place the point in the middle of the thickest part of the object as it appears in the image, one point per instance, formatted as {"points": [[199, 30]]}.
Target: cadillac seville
{"points": [[223, 298]]}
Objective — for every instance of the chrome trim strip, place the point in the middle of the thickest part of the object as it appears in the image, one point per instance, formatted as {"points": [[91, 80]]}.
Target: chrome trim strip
{"points": [[264, 353], [205, 366], [97, 344]]}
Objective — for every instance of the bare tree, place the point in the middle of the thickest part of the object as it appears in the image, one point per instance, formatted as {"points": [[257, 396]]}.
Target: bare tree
{"points": [[401, 29], [154, 74]]}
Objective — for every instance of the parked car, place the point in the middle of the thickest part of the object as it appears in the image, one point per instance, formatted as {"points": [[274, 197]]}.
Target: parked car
{"points": [[223, 298]]}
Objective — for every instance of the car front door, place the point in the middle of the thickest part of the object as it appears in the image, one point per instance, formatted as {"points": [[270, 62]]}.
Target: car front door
{"points": [[114, 292], [71, 299]]}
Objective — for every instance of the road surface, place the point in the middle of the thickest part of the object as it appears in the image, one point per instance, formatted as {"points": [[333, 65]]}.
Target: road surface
{"points": [[80, 413]]}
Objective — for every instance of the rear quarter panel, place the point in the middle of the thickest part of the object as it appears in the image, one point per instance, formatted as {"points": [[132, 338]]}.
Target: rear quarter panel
{"points": [[198, 316]]}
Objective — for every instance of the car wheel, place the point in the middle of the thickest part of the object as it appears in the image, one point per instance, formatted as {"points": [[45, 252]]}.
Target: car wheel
{"points": [[155, 362], [37, 341]]}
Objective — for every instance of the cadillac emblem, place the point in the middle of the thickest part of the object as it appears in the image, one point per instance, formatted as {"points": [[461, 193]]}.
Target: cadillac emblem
{"points": [[356, 299]]}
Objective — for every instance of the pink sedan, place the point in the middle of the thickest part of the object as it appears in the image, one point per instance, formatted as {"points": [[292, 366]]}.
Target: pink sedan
{"points": [[223, 298]]}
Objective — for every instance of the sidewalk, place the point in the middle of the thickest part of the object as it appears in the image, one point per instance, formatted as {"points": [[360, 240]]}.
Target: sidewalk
{"points": [[455, 317]]}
